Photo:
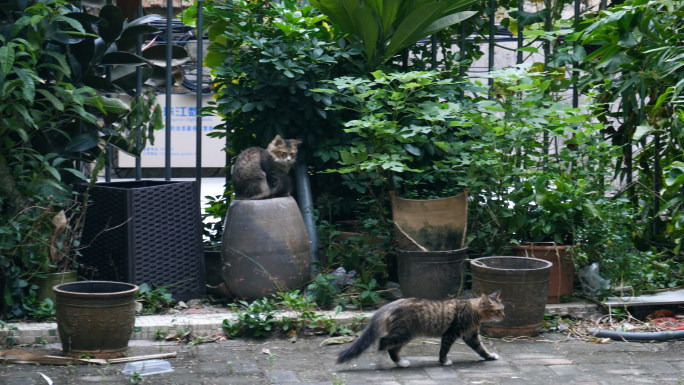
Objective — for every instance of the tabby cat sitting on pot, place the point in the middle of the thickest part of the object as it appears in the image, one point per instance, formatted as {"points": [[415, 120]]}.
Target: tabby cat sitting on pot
{"points": [[260, 173], [397, 323]]}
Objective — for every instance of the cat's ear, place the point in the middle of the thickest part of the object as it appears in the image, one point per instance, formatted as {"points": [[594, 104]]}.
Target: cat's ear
{"points": [[278, 140], [484, 299], [496, 294], [295, 142]]}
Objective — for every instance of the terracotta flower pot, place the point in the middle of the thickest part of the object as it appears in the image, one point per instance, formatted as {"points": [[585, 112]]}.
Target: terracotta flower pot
{"points": [[562, 272]]}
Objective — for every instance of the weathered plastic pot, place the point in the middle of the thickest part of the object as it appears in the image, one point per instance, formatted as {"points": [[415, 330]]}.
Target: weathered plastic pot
{"points": [[524, 284], [432, 274], [430, 224], [265, 248], [562, 272], [46, 284], [95, 318]]}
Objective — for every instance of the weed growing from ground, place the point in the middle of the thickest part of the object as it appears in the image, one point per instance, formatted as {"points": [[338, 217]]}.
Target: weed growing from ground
{"points": [[152, 298], [160, 334], [258, 318], [339, 381], [136, 378]]}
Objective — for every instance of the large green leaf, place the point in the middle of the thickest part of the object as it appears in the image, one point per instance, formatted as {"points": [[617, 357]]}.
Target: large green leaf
{"points": [[84, 52], [54, 102], [129, 37], [28, 84], [366, 29], [412, 27], [6, 59], [115, 23], [527, 18], [83, 142], [144, 20], [114, 105], [157, 55], [448, 21], [338, 12], [87, 19], [129, 8]]}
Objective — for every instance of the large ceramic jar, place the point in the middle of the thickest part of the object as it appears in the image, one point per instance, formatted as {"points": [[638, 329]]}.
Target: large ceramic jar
{"points": [[265, 248]]}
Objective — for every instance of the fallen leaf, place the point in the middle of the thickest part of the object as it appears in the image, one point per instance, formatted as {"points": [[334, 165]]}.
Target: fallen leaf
{"points": [[172, 336], [337, 340], [600, 340], [265, 351]]}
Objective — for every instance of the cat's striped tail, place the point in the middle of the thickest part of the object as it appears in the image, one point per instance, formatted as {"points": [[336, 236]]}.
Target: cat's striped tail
{"points": [[369, 335]]}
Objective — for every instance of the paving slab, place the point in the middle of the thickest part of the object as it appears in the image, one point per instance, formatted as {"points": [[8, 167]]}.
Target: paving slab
{"points": [[307, 361], [549, 359]]}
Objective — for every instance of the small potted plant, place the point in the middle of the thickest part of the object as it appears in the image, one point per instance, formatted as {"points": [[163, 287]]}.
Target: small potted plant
{"points": [[548, 211], [401, 130]]}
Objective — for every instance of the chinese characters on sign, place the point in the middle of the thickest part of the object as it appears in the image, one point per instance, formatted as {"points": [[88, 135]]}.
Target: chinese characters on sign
{"points": [[183, 138]]}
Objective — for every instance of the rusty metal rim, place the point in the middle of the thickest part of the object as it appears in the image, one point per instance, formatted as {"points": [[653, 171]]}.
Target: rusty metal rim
{"points": [[526, 282], [538, 246], [477, 263], [398, 198]]}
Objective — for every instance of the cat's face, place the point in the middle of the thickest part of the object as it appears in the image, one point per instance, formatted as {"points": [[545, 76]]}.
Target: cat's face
{"points": [[491, 309], [283, 151]]}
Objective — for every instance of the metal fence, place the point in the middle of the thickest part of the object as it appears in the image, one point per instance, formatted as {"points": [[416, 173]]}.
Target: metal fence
{"points": [[173, 30]]}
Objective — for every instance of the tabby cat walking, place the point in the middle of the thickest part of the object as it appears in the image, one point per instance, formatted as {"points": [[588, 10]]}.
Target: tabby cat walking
{"points": [[397, 323], [262, 173]]}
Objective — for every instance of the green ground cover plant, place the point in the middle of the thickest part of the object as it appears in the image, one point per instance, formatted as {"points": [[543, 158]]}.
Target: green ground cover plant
{"points": [[262, 317]]}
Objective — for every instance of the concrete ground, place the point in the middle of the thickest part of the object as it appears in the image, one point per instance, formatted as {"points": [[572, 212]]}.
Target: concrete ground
{"points": [[549, 359]]}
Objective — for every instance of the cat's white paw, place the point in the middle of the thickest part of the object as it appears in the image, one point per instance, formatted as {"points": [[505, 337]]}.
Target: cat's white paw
{"points": [[493, 356], [447, 363], [404, 363]]}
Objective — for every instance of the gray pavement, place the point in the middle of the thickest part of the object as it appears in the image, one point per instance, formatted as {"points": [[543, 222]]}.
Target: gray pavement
{"points": [[549, 359]]}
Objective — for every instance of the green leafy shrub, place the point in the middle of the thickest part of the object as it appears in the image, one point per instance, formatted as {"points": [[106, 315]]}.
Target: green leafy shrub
{"points": [[153, 298], [265, 57], [610, 243], [635, 78], [262, 317], [533, 165], [256, 319], [57, 112]]}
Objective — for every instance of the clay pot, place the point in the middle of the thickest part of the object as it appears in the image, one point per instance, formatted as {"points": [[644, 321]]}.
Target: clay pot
{"points": [[265, 248], [562, 272]]}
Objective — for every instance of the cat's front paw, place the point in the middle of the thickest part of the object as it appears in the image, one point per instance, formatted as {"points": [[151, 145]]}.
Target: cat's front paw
{"points": [[446, 363], [404, 363], [492, 357]]}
